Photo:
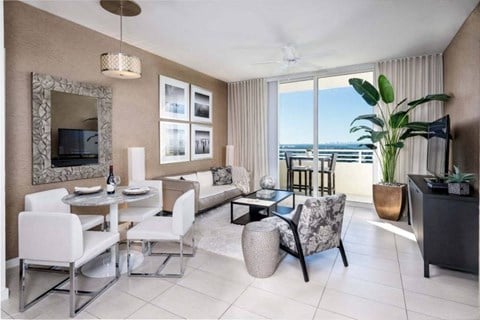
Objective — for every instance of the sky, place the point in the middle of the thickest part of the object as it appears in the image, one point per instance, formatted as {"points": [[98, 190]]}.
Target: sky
{"points": [[337, 108]]}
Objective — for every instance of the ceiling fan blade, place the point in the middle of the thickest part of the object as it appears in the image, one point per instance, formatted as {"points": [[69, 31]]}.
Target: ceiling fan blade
{"points": [[268, 62]]}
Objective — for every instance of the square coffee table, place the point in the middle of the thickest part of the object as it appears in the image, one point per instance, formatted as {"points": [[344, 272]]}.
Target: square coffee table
{"points": [[260, 208]]}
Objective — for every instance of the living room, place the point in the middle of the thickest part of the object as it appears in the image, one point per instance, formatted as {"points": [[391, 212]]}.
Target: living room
{"points": [[385, 274]]}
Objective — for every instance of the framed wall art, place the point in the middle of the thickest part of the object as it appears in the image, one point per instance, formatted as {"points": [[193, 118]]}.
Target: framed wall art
{"points": [[201, 105], [202, 142], [174, 142], [174, 99]]}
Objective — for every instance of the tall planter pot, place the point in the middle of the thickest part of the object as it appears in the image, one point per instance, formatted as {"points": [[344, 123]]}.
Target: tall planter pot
{"points": [[389, 200]]}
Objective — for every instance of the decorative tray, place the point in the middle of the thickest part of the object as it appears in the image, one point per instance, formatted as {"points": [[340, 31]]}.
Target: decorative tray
{"points": [[265, 194], [133, 191], [87, 190]]}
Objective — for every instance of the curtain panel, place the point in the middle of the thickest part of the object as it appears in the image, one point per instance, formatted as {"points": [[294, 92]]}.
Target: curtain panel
{"points": [[413, 78], [247, 126]]}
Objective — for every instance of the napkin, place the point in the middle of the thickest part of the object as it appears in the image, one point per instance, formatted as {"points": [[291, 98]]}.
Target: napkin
{"points": [[87, 189]]}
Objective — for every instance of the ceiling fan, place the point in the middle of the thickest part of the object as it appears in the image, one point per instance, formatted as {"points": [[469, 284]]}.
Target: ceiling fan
{"points": [[290, 59]]}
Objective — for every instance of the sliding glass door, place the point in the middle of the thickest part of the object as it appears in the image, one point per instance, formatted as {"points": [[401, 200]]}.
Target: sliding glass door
{"points": [[295, 125], [338, 104]]}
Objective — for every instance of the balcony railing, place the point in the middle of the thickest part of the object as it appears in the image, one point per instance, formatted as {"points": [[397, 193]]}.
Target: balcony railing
{"points": [[343, 155], [353, 174]]}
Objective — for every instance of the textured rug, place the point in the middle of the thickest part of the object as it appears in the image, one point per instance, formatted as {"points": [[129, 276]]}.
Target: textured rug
{"points": [[216, 234]]}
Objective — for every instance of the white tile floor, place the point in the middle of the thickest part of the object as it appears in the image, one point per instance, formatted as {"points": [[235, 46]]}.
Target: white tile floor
{"points": [[384, 281]]}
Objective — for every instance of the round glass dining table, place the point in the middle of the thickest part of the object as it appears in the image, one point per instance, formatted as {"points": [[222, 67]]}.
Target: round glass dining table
{"points": [[104, 265]]}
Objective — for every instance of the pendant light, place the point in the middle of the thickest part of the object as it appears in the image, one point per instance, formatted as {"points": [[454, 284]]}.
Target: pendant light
{"points": [[120, 65]]}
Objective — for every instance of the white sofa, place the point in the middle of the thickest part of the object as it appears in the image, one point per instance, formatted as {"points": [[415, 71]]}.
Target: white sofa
{"points": [[207, 195]]}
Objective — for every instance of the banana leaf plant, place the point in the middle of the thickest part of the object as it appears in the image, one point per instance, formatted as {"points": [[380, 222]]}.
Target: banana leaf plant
{"points": [[392, 122]]}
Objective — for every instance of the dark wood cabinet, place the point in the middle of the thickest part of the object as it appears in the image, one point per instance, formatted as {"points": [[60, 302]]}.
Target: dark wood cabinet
{"points": [[446, 226]]}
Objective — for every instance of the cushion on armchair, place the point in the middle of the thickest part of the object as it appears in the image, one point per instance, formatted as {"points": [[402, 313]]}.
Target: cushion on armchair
{"points": [[319, 224]]}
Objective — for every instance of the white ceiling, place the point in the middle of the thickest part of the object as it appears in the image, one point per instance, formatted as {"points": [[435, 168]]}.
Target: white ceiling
{"points": [[228, 38]]}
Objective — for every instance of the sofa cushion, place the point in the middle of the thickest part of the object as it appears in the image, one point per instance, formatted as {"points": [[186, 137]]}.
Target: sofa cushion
{"points": [[222, 175], [206, 192], [205, 178], [232, 193], [211, 201]]}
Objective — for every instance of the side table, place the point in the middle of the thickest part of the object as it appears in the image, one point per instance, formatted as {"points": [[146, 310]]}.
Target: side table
{"points": [[260, 246]]}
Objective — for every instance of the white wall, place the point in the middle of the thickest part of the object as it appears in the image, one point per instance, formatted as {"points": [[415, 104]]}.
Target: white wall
{"points": [[2, 159]]}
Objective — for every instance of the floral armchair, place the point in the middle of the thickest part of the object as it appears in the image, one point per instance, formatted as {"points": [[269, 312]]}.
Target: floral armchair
{"points": [[316, 226]]}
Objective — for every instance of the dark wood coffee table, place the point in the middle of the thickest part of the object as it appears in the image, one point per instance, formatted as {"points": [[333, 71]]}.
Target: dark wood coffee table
{"points": [[260, 208]]}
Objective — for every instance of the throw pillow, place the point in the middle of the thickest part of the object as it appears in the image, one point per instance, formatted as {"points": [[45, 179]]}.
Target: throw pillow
{"points": [[205, 178], [222, 175]]}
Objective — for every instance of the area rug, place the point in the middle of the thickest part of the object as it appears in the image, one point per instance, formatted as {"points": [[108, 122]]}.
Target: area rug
{"points": [[216, 234]]}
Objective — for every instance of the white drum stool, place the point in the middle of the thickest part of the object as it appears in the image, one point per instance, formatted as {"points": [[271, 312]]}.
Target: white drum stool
{"points": [[260, 245]]}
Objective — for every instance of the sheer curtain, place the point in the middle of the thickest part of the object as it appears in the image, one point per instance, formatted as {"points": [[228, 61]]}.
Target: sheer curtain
{"points": [[247, 126], [414, 78]]}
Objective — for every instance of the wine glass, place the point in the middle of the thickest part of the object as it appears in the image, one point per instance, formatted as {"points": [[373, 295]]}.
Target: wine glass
{"points": [[117, 180]]}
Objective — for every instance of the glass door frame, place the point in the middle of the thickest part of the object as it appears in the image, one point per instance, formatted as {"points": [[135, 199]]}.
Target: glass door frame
{"points": [[315, 76]]}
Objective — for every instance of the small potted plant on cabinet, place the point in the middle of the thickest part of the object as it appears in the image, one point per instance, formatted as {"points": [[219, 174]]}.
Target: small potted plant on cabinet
{"points": [[459, 182]]}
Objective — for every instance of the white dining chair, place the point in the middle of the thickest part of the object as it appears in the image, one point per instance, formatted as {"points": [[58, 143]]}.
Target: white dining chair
{"points": [[51, 201], [163, 228], [138, 211], [56, 239]]}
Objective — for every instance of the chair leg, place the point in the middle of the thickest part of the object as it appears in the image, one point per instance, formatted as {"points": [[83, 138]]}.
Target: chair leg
{"points": [[321, 184], [117, 261], [342, 252], [72, 289], [329, 184], [182, 267], [310, 182], [300, 183], [306, 182], [334, 183], [304, 267], [129, 268], [22, 285], [301, 257]]}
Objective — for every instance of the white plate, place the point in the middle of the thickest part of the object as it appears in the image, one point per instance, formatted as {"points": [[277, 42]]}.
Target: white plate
{"points": [[136, 190], [87, 190]]}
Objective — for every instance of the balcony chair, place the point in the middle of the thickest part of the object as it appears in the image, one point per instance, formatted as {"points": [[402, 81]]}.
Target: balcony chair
{"points": [[316, 226], [51, 201], [329, 170], [138, 211], [302, 170], [56, 239], [163, 228]]}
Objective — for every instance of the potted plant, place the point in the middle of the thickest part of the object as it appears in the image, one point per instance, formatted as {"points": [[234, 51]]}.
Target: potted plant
{"points": [[392, 128], [459, 182]]}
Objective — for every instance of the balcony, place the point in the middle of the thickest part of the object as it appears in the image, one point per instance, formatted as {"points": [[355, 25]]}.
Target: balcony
{"points": [[353, 173]]}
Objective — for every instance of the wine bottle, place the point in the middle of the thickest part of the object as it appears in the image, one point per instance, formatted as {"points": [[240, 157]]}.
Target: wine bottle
{"points": [[111, 182]]}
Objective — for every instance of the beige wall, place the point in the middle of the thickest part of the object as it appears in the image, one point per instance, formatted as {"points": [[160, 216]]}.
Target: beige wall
{"points": [[462, 79], [40, 42]]}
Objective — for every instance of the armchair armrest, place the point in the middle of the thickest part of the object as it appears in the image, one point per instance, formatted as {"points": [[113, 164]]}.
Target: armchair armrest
{"points": [[293, 225], [173, 188], [288, 220]]}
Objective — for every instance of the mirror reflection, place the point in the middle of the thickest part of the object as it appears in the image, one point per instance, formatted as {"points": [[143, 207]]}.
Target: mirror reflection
{"points": [[74, 130]]}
